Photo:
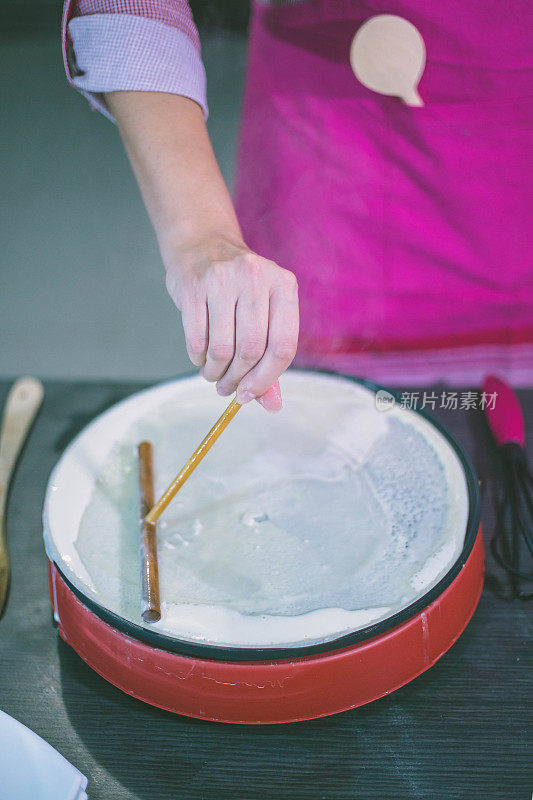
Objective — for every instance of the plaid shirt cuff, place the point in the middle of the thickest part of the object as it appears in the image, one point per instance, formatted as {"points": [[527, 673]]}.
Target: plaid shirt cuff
{"points": [[112, 52]]}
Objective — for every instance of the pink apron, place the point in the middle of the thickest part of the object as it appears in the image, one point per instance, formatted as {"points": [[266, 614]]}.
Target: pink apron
{"points": [[407, 227]]}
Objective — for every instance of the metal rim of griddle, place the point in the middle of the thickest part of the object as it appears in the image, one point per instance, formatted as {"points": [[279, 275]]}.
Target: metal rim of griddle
{"points": [[225, 653]]}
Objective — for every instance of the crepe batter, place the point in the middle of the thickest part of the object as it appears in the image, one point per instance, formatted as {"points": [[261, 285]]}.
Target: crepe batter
{"points": [[295, 528]]}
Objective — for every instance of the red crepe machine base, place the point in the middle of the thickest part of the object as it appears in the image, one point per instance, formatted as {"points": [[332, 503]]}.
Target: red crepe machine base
{"points": [[278, 690]]}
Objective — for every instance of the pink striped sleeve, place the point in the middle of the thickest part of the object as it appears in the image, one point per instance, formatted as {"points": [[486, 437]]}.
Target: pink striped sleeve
{"points": [[142, 45]]}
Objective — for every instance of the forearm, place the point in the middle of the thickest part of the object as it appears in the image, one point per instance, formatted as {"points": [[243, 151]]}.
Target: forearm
{"points": [[166, 139]]}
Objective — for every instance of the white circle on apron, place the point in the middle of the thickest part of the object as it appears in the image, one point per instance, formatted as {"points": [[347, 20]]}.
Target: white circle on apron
{"points": [[388, 55]]}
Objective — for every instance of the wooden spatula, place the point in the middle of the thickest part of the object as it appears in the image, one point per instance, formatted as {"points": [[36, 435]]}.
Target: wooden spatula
{"points": [[22, 405], [220, 425]]}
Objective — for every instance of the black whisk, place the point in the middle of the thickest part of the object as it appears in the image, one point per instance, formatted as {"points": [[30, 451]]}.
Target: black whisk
{"points": [[514, 514]]}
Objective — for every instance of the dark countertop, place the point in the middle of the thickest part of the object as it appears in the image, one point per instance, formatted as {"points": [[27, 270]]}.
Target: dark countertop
{"points": [[461, 731]]}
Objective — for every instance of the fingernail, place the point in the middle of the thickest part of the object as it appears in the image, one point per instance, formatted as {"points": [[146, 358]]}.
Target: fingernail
{"points": [[271, 399], [245, 397], [223, 392], [269, 406]]}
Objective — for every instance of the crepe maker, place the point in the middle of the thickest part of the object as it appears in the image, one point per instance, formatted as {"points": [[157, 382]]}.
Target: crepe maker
{"points": [[277, 685]]}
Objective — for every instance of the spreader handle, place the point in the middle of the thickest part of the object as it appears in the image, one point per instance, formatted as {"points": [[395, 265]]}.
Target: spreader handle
{"points": [[505, 417], [22, 404]]}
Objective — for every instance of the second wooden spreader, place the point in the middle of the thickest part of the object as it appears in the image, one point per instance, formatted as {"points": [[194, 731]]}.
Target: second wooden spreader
{"points": [[150, 512]]}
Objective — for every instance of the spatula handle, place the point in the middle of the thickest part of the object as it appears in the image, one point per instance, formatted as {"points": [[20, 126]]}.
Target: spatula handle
{"points": [[505, 418], [23, 402]]}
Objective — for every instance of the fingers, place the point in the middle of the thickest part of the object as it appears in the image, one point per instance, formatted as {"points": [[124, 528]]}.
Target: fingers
{"points": [[195, 325], [221, 332], [282, 340], [251, 321], [190, 297]]}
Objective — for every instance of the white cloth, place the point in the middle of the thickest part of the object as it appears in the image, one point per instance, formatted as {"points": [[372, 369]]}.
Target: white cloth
{"points": [[30, 768]]}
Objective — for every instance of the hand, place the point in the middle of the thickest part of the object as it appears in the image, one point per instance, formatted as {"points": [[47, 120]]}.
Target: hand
{"points": [[240, 317]]}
